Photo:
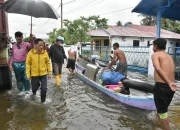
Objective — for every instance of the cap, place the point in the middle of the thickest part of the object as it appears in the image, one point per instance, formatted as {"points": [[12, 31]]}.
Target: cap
{"points": [[60, 38]]}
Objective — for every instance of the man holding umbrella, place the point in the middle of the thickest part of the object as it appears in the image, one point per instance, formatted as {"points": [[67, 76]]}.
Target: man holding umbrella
{"points": [[57, 55], [17, 62]]}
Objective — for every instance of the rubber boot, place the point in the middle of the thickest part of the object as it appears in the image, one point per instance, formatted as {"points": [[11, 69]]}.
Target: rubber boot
{"points": [[57, 81], [43, 97], [60, 77]]}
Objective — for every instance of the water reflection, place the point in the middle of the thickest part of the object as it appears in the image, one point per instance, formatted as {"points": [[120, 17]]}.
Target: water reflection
{"points": [[76, 106]]}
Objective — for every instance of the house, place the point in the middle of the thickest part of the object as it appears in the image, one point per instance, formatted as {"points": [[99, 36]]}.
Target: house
{"points": [[131, 35], [134, 41]]}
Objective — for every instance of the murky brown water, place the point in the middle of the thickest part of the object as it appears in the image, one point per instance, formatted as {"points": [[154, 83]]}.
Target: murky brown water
{"points": [[76, 106]]}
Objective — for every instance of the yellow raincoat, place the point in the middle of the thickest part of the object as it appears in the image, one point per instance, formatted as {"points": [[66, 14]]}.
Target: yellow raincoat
{"points": [[37, 64]]}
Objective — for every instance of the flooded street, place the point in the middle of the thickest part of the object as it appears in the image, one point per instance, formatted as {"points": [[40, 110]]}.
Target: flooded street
{"points": [[76, 106]]}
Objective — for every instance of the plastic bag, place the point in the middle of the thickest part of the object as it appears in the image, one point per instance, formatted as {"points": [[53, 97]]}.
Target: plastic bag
{"points": [[99, 75], [111, 78]]}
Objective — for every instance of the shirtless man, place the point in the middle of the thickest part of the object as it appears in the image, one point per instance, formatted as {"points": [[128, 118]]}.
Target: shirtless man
{"points": [[164, 77], [72, 55], [119, 56]]}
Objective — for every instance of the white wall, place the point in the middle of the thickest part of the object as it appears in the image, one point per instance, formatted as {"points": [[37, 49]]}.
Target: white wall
{"points": [[137, 59], [129, 41], [170, 43], [140, 59]]}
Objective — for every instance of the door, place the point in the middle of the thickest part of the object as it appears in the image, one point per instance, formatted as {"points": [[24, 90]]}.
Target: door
{"points": [[106, 42]]}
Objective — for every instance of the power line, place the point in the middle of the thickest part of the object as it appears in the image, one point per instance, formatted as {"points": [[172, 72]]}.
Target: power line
{"points": [[69, 2], [117, 11], [68, 12], [48, 19], [91, 4], [60, 5], [87, 3]]}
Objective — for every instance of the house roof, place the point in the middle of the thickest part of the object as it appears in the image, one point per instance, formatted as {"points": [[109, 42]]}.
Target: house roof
{"points": [[134, 31], [98, 33]]}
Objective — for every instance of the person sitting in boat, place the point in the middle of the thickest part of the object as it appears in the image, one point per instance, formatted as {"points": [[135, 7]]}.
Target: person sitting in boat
{"points": [[119, 56]]}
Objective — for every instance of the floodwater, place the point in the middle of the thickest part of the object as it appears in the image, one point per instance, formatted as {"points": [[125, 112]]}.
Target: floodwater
{"points": [[77, 106]]}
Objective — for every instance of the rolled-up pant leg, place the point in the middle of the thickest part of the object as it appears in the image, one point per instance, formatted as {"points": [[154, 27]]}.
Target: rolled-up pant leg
{"points": [[19, 75], [26, 82], [57, 68]]}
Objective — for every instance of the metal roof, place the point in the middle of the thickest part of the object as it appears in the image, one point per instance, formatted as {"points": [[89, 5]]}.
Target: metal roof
{"points": [[134, 31], [98, 33]]}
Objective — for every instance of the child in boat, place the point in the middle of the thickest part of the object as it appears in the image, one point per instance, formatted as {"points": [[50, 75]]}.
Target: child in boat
{"points": [[38, 67]]}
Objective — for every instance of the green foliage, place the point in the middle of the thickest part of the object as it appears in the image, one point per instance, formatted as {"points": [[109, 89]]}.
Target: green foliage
{"points": [[148, 20], [127, 23], [76, 31], [27, 39], [119, 23], [55, 33], [170, 25]]}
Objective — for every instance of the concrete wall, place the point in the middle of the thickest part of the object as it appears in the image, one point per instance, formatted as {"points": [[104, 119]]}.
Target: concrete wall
{"points": [[170, 43], [129, 41]]}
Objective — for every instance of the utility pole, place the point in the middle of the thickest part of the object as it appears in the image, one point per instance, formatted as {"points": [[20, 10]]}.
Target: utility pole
{"points": [[61, 14], [31, 26]]}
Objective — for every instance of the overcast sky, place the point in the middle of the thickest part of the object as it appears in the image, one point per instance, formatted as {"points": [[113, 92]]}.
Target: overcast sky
{"points": [[74, 10]]}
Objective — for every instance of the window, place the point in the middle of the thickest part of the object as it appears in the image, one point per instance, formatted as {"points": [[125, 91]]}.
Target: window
{"points": [[97, 43], [106, 42], [135, 42], [177, 44], [148, 43]]}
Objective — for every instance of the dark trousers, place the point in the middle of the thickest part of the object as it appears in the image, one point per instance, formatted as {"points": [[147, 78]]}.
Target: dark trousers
{"points": [[36, 81]]}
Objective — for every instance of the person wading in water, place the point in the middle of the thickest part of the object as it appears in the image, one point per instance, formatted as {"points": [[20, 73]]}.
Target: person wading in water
{"points": [[57, 55], [165, 81], [72, 56], [17, 62]]}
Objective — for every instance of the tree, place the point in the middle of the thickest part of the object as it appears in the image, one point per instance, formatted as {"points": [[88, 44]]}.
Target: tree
{"points": [[96, 22], [148, 20], [27, 39], [119, 23], [127, 23], [55, 33], [76, 30], [170, 25]]}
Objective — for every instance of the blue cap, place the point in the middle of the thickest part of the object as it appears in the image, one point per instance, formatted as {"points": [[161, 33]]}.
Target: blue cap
{"points": [[60, 38]]}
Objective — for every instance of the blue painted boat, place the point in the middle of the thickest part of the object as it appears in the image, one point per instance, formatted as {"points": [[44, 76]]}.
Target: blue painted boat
{"points": [[137, 99]]}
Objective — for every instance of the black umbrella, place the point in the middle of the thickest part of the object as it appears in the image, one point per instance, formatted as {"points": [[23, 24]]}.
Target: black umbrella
{"points": [[33, 8]]}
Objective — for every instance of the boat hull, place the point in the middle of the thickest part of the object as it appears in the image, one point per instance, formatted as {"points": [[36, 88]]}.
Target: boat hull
{"points": [[143, 102]]}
